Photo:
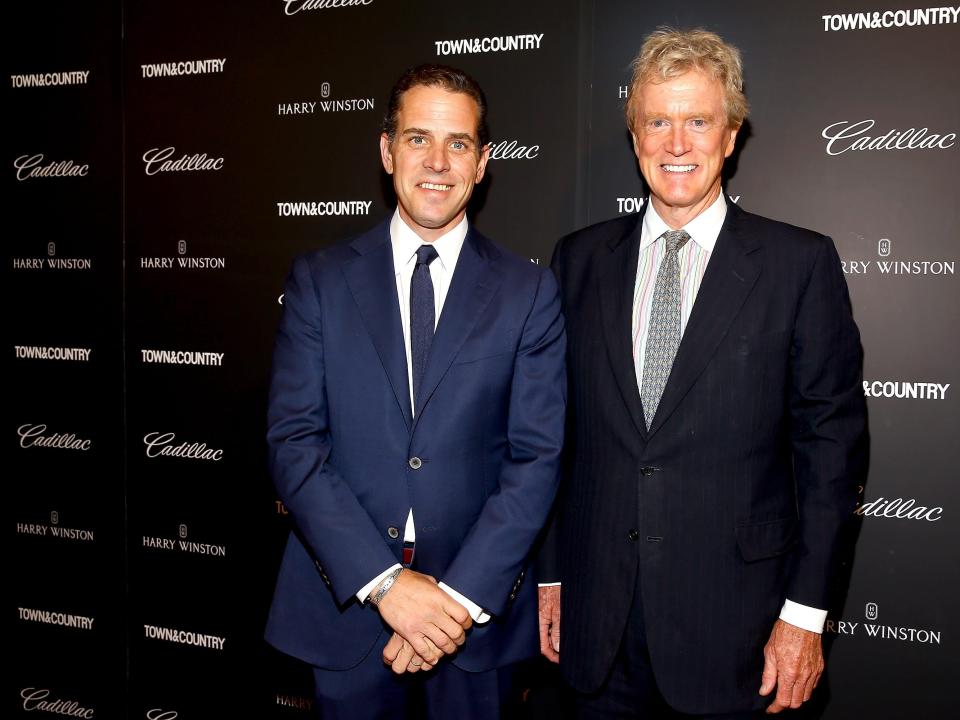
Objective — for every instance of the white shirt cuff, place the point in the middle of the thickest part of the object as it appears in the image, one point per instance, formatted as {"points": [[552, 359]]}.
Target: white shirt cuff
{"points": [[368, 588], [476, 612], [803, 616], [556, 584]]}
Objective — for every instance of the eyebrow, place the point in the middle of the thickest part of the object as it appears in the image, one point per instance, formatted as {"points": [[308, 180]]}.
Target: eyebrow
{"points": [[450, 136], [657, 116]]}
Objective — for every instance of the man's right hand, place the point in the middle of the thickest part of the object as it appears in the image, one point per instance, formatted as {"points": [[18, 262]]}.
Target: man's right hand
{"points": [[432, 622], [549, 597]]}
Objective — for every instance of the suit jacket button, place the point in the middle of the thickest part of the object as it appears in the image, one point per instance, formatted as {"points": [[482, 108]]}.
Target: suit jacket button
{"points": [[633, 535], [393, 532], [415, 462], [648, 471]]}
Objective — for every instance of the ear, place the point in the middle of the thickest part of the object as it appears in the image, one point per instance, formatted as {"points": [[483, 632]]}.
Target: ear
{"points": [[482, 165], [636, 143], [731, 142], [385, 156]]}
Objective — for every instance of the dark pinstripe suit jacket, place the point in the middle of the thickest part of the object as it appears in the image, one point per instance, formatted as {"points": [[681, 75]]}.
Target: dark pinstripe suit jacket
{"points": [[735, 497]]}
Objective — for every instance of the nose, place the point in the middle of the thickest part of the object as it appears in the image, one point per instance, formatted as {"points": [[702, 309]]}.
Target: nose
{"points": [[437, 158], [677, 142]]}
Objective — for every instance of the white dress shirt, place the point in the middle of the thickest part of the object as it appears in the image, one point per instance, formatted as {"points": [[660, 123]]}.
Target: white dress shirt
{"points": [[405, 243], [693, 259]]}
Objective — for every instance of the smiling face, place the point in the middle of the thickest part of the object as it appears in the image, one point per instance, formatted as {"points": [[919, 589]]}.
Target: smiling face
{"points": [[681, 138], [434, 158]]}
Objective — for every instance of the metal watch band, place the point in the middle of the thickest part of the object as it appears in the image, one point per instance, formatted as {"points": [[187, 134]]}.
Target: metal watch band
{"points": [[385, 587]]}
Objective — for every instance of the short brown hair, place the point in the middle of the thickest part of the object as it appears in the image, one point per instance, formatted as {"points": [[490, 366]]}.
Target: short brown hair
{"points": [[441, 76], [668, 53]]}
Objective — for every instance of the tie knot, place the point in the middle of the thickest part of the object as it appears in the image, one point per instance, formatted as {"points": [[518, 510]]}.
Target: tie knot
{"points": [[675, 239], [426, 254]]}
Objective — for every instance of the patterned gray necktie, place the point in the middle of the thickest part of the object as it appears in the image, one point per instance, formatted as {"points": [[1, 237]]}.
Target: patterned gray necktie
{"points": [[663, 336]]}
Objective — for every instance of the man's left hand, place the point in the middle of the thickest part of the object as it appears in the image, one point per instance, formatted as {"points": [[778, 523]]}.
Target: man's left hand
{"points": [[792, 663], [400, 656]]}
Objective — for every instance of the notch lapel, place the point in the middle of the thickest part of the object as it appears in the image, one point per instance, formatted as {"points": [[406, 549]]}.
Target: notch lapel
{"points": [[731, 274], [371, 278], [617, 278]]}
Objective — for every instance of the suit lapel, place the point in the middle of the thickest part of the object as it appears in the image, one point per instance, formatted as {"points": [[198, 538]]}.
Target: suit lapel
{"points": [[617, 276], [731, 274], [372, 281], [472, 286]]}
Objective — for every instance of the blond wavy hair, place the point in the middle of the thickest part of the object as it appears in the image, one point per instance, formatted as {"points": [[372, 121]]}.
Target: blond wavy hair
{"points": [[668, 53]]}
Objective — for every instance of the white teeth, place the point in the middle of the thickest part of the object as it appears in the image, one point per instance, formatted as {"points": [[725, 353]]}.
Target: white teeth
{"points": [[433, 186], [679, 168]]}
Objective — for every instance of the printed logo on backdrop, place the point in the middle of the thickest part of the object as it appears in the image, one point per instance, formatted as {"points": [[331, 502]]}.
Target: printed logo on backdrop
{"points": [[182, 543], [497, 43], [48, 352], [51, 261], [50, 79], [54, 617], [634, 204], [184, 637], [40, 699], [181, 357], [32, 167], [54, 529], [859, 135], [877, 625], [165, 445], [292, 7], [325, 104], [512, 150], [182, 261], [158, 160], [898, 509], [37, 436], [905, 390], [322, 208], [880, 20], [159, 714], [887, 263], [296, 702], [182, 68]]}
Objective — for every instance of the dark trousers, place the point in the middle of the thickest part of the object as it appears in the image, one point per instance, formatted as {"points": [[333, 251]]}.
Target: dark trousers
{"points": [[371, 690], [631, 690]]}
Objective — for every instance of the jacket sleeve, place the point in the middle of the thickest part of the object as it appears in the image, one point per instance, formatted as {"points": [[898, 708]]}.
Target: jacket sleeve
{"points": [[497, 546], [326, 514], [828, 422]]}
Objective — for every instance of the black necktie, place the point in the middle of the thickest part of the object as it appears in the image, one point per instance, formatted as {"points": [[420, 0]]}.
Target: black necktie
{"points": [[423, 316]]}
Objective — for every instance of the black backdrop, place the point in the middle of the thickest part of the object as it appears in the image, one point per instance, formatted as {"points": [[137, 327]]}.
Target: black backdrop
{"points": [[142, 302]]}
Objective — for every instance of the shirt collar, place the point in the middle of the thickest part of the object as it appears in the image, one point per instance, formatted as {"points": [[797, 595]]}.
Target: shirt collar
{"points": [[405, 243], [703, 229]]}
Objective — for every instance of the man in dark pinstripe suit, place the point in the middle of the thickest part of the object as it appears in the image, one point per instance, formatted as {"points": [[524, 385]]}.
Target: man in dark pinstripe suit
{"points": [[717, 425]]}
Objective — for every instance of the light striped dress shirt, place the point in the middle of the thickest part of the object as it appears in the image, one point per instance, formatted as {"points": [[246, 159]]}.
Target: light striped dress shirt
{"points": [[692, 258]]}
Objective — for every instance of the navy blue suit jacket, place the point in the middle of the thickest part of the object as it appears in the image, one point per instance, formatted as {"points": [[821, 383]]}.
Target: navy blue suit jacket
{"points": [[736, 495], [341, 434]]}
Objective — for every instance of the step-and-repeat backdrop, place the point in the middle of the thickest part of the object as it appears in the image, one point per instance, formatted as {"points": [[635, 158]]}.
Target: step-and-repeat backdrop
{"points": [[166, 161]]}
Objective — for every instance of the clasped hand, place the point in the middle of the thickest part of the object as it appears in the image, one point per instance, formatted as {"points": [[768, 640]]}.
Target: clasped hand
{"points": [[427, 623]]}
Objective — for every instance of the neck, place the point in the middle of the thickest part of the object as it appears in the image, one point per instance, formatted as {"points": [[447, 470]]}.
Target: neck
{"points": [[677, 216], [429, 234]]}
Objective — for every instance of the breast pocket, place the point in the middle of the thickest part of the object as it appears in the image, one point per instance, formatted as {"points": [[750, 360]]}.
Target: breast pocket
{"points": [[489, 346], [777, 341]]}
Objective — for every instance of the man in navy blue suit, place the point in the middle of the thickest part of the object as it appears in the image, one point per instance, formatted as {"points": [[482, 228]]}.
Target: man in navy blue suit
{"points": [[415, 425]]}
